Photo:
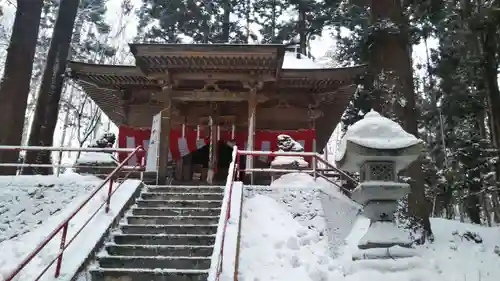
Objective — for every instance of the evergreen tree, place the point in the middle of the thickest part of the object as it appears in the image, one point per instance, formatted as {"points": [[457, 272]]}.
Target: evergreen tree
{"points": [[89, 18], [202, 21], [455, 98]]}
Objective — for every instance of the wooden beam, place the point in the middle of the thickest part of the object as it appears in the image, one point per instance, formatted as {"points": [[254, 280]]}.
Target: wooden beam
{"points": [[221, 66], [221, 96], [214, 76]]}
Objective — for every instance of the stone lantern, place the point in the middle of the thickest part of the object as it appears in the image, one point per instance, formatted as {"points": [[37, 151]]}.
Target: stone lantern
{"points": [[378, 148]]}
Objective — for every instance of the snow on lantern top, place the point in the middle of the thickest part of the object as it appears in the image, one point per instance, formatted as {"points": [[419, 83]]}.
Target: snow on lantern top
{"points": [[376, 138]]}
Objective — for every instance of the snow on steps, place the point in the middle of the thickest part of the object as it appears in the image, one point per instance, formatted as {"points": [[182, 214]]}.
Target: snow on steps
{"points": [[167, 235]]}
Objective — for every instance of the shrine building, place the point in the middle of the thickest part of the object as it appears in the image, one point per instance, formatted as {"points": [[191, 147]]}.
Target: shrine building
{"points": [[210, 95]]}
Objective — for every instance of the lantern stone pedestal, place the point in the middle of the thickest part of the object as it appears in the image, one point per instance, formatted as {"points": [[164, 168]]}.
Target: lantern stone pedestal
{"points": [[378, 149]]}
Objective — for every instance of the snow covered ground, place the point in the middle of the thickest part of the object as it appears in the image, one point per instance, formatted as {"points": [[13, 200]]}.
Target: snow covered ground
{"points": [[284, 239], [38, 204], [27, 201]]}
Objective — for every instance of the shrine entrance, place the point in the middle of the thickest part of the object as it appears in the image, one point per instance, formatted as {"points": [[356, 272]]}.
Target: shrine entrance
{"points": [[200, 160]]}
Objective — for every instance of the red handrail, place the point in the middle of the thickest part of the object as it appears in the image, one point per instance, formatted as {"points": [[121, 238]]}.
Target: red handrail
{"points": [[65, 224], [214, 274]]}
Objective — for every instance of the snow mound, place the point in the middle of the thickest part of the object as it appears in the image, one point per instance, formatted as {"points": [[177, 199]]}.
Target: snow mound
{"points": [[377, 132], [289, 160], [459, 258], [283, 238], [407, 269], [27, 201], [301, 180], [450, 257], [292, 62], [96, 158], [280, 248]]}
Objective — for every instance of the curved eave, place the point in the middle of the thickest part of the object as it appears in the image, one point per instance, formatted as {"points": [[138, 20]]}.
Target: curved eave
{"points": [[327, 79], [108, 75], [110, 101]]}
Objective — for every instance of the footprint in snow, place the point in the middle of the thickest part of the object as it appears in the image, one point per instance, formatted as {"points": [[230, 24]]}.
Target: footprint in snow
{"points": [[292, 243]]}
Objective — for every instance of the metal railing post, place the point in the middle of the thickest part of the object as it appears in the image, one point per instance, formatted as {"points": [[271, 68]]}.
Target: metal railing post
{"points": [[314, 164], [61, 249], [108, 200]]}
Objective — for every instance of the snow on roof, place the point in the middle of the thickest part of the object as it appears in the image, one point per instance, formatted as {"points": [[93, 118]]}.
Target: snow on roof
{"points": [[377, 132], [292, 62]]}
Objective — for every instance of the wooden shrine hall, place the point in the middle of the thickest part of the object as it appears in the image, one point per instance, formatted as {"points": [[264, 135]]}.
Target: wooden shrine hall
{"points": [[209, 95]]}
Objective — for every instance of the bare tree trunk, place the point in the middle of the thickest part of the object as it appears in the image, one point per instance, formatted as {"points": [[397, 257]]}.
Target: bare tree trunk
{"points": [[47, 107], [15, 84]]}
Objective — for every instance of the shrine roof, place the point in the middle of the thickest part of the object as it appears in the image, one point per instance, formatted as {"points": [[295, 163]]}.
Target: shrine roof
{"points": [[152, 58], [188, 66]]}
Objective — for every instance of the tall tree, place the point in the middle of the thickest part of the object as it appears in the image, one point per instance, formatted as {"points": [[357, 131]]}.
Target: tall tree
{"points": [[47, 106], [15, 84], [202, 21], [392, 66]]}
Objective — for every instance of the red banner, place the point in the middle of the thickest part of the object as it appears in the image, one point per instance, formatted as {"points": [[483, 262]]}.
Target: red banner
{"points": [[180, 146]]}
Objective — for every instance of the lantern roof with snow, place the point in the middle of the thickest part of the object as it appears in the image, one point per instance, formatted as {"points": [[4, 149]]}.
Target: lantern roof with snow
{"points": [[377, 138]]}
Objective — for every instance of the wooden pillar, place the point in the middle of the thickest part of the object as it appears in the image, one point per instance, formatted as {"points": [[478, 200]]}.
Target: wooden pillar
{"points": [[213, 149], [164, 144], [252, 106]]}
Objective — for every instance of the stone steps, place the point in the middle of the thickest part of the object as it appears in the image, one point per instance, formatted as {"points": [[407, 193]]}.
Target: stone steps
{"points": [[178, 211], [133, 274], [177, 220], [158, 250], [152, 262], [179, 203], [167, 235], [168, 229], [186, 189], [181, 196]]}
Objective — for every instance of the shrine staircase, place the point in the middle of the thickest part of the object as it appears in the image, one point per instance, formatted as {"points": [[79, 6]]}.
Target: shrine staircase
{"points": [[168, 234]]}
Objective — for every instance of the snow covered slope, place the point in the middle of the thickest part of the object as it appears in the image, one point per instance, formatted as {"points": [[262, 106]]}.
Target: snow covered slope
{"points": [[35, 205], [284, 239], [27, 201]]}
